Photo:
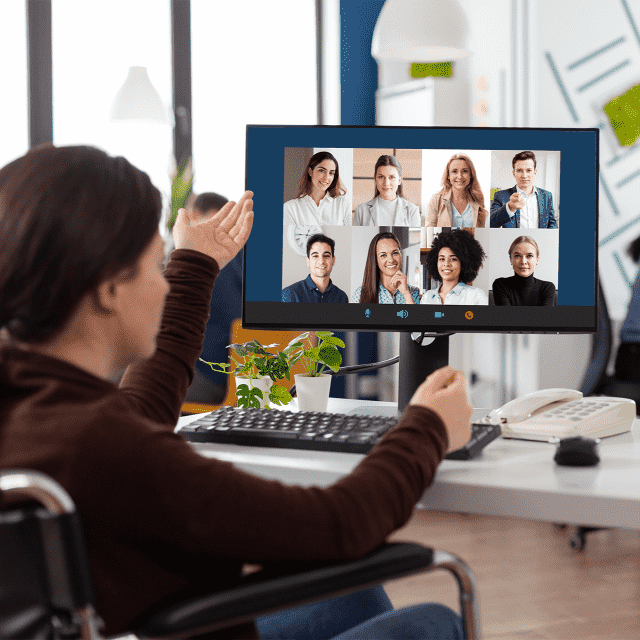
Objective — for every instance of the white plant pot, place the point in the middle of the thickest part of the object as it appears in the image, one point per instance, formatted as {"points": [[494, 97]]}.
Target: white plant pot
{"points": [[264, 384], [313, 393]]}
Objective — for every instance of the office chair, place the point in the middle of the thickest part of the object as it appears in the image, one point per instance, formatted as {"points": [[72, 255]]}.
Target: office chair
{"points": [[46, 589]]}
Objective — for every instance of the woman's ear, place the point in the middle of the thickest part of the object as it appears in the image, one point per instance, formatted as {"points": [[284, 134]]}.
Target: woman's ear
{"points": [[104, 298]]}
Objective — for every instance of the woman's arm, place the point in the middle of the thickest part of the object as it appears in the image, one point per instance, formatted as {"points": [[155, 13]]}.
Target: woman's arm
{"points": [[432, 212], [547, 294], [500, 293], [156, 386]]}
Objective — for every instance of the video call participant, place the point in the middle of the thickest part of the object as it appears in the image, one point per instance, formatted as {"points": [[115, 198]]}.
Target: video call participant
{"points": [[460, 202], [317, 286], [522, 289], [524, 206], [455, 259], [383, 281], [387, 208], [84, 294], [321, 195]]}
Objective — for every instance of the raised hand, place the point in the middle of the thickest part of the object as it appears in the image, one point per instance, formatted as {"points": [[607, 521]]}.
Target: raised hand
{"points": [[516, 201], [220, 235]]}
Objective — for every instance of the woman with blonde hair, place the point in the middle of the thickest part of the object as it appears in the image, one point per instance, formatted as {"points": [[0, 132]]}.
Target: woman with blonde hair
{"points": [[522, 289], [460, 202]]}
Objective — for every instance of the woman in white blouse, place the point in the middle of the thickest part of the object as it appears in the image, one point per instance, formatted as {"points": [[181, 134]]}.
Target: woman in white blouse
{"points": [[387, 208], [321, 195], [455, 259]]}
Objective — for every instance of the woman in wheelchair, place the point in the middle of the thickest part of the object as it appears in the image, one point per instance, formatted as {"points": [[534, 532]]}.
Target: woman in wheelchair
{"points": [[85, 296]]}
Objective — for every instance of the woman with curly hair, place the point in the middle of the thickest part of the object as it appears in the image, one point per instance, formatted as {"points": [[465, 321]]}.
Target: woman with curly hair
{"points": [[460, 202], [454, 260], [321, 195]]}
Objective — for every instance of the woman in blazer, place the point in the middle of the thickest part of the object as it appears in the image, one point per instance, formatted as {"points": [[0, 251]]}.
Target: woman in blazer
{"points": [[460, 202], [387, 208]]}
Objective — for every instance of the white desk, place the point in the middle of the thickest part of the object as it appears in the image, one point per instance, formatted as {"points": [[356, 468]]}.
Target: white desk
{"points": [[512, 478]]}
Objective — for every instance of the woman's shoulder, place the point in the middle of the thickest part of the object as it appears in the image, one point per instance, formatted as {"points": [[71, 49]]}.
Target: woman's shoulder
{"points": [[547, 285]]}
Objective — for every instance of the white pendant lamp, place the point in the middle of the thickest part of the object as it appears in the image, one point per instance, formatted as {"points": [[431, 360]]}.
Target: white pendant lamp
{"points": [[420, 31], [138, 99]]}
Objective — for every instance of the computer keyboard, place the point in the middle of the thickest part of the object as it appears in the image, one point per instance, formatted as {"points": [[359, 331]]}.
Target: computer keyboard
{"points": [[348, 433]]}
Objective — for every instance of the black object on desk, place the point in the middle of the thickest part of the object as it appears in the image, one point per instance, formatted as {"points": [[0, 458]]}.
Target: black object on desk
{"points": [[346, 433], [577, 452]]}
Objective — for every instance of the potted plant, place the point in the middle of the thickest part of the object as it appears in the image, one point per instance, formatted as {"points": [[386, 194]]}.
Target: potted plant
{"points": [[312, 387], [256, 371]]}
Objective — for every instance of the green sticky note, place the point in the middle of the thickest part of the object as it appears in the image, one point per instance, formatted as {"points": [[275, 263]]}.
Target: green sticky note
{"points": [[493, 192], [424, 69], [624, 115]]}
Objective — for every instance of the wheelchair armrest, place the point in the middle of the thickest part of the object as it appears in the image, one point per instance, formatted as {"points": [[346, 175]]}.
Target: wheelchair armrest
{"points": [[267, 591]]}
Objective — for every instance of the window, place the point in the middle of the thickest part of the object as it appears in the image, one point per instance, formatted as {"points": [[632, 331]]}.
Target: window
{"points": [[253, 62], [14, 110]]}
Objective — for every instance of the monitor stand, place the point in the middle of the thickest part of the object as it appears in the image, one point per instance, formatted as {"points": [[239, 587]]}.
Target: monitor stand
{"points": [[417, 361]]}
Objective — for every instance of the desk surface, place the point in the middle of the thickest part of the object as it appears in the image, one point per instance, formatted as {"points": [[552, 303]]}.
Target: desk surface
{"points": [[514, 478]]}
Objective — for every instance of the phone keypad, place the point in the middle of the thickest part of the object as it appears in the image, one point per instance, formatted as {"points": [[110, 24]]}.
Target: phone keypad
{"points": [[575, 410]]}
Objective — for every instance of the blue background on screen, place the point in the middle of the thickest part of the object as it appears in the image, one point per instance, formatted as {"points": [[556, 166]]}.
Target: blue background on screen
{"points": [[578, 186]]}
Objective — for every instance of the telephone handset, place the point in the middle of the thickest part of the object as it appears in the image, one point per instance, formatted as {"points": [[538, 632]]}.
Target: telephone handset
{"points": [[552, 414]]}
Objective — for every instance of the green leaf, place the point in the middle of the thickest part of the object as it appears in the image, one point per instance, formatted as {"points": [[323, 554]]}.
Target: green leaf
{"points": [[279, 395], [330, 356], [248, 397], [324, 334], [300, 338], [333, 340], [312, 354]]}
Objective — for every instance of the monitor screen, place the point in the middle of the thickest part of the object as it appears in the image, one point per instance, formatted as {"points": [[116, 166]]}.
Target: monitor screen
{"points": [[437, 229]]}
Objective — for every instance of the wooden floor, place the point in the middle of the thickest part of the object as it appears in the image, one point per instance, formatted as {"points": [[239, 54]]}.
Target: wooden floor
{"points": [[531, 584]]}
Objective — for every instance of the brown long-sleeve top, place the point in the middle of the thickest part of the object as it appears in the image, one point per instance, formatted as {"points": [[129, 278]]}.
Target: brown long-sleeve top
{"points": [[158, 517]]}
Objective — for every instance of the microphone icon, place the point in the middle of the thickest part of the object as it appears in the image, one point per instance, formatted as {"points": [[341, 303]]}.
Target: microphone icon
{"points": [[367, 313]]}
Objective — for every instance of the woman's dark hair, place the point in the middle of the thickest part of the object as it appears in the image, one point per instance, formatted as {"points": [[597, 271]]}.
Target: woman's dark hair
{"points": [[70, 218], [468, 250], [304, 186], [387, 161], [371, 278]]}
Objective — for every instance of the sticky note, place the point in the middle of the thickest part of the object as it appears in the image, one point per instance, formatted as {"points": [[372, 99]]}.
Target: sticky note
{"points": [[424, 69], [624, 115]]}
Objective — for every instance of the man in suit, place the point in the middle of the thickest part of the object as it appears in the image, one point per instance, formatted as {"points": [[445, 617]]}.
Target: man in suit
{"points": [[524, 206]]}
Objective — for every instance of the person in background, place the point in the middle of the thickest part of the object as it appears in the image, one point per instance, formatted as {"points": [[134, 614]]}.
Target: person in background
{"points": [[460, 202], [627, 365], [317, 286], [524, 206], [84, 295], [522, 289], [383, 281], [209, 387], [387, 208], [322, 198], [454, 260]]}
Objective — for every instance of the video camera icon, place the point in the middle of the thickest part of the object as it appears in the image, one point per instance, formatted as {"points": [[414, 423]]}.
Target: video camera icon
{"points": [[402, 314]]}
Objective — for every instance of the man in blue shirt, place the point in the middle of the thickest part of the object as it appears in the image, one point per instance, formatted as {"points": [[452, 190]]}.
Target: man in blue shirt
{"points": [[317, 286]]}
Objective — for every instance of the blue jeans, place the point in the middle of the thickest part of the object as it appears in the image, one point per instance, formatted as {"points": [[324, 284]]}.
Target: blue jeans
{"points": [[365, 615]]}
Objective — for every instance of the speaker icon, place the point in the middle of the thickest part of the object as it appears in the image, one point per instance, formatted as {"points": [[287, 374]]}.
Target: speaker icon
{"points": [[367, 313], [402, 314]]}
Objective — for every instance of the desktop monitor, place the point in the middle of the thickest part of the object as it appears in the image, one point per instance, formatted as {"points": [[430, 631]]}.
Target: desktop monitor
{"points": [[380, 199]]}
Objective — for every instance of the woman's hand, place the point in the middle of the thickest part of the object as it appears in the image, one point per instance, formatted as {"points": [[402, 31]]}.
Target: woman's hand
{"points": [[220, 235], [445, 391], [399, 281]]}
